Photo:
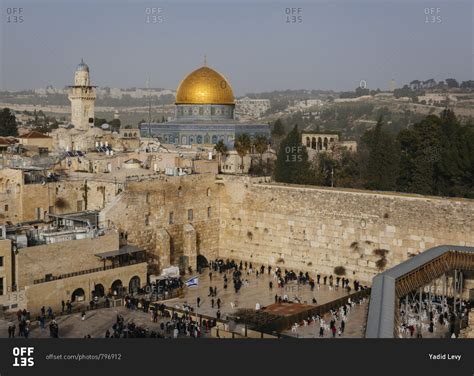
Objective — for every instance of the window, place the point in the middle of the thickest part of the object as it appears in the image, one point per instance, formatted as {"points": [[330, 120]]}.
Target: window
{"points": [[171, 218], [1, 261], [38, 213], [1, 286], [6, 208], [209, 210], [190, 214]]}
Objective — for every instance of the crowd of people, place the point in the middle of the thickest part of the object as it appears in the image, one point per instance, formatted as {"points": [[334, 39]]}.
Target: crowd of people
{"points": [[334, 322], [437, 316]]}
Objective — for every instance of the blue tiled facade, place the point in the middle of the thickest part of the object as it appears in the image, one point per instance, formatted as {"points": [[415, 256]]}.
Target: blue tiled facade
{"points": [[201, 133]]}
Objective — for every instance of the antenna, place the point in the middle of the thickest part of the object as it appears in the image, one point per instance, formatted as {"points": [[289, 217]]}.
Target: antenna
{"points": [[149, 106]]}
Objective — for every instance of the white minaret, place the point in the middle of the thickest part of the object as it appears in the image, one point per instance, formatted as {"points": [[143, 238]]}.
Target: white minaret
{"points": [[82, 97]]}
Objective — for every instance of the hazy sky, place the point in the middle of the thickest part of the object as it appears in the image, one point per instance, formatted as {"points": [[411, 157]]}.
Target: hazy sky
{"points": [[338, 43]]}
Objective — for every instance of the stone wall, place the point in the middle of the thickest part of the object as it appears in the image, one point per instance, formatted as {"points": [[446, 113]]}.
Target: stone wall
{"points": [[5, 269], [143, 214], [318, 229], [62, 258]]}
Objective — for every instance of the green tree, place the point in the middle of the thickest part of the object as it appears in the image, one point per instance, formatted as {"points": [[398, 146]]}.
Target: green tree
{"points": [[98, 122], [221, 149], [452, 82], [8, 125], [278, 130], [292, 165], [242, 145], [261, 146], [383, 158], [115, 124]]}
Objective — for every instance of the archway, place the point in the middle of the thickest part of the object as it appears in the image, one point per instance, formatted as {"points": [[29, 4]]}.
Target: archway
{"points": [[313, 143], [320, 143], [308, 142], [325, 143], [202, 262], [78, 295], [99, 291], [134, 284], [117, 287]]}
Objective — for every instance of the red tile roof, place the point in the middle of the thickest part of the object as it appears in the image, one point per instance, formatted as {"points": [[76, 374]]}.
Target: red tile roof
{"points": [[7, 141], [34, 134]]}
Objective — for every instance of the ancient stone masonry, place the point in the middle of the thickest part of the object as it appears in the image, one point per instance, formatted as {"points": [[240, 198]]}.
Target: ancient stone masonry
{"points": [[161, 215], [304, 228], [310, 228]]}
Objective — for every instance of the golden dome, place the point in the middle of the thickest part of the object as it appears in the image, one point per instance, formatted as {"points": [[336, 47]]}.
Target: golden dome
{"points": [[204, 86]]}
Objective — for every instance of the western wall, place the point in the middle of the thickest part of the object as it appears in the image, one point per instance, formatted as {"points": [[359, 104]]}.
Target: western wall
{"points": [[296, 227], [318, 229]]}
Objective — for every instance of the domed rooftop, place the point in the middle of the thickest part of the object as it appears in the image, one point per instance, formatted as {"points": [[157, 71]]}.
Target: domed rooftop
{"points": [[204, 86], [82, 67]]}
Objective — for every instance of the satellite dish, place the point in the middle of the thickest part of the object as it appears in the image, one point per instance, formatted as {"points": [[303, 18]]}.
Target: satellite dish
{"points": [[105, 126]]}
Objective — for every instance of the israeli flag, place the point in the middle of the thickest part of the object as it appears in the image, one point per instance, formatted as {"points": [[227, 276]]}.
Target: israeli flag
{"points": [[192, 282]]}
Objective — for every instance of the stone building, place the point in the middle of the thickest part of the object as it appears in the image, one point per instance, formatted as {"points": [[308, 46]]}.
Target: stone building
{"points": [[31, 194], [36, 140], [326, 143], [82, 97], [76, 270]]}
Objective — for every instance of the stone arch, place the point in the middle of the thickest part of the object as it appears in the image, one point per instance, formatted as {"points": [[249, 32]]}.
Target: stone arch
{"points": [[134, 284], [214, 139], [199, 139], [308, 142], [202, 262], [78, 295], [325, 143], [99, 290], [117, 287], [320, 143], [313, 143]]}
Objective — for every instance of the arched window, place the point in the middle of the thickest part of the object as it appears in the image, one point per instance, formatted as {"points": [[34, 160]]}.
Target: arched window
{"points": [[199, 139], [214, 139], [313, 143], [325, 143], [320, 143], [308, 142]]}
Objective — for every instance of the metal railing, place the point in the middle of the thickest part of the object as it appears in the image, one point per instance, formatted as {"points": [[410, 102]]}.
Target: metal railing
{"points": [[87, 271]]}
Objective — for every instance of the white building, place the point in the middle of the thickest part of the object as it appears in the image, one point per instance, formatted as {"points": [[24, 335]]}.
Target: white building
{"points": [[248, 108]]}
